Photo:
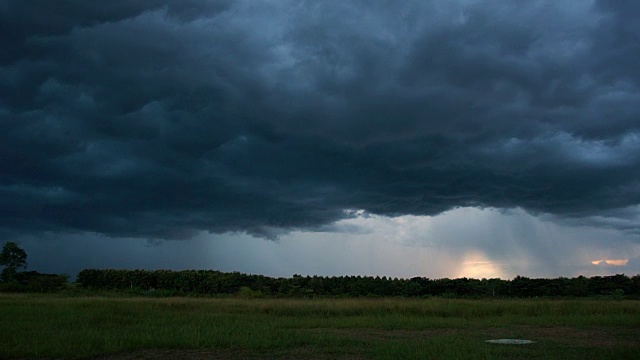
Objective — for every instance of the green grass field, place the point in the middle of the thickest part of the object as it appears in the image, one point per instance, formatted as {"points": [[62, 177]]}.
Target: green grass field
{"points": [[41, 326]]}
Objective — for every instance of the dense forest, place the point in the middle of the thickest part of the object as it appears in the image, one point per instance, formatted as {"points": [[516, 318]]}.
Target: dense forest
{"points": [[216, 282]]}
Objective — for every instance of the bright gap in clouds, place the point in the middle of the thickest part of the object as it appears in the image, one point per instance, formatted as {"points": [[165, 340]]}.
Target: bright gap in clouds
{"points": [[620, 262], [464, 242]]}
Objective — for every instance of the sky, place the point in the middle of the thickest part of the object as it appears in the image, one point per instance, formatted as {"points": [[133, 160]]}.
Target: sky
{"points": [[454, 138]]}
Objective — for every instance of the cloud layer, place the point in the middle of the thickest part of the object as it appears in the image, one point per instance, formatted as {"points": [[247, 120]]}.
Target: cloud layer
{"points": [[164, 119]]}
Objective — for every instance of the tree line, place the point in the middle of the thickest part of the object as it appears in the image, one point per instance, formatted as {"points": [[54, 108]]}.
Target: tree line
{"points": [[211, 282]]}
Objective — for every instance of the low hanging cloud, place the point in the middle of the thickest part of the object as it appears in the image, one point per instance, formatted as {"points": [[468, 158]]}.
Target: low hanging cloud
{"points": [[164, 119]]}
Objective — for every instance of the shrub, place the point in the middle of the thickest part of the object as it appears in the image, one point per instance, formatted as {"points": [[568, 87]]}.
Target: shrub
{"points": [[247, 293]]}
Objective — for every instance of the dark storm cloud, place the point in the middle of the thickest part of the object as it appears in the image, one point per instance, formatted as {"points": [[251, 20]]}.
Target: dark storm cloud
{"points": [[161, 119]]}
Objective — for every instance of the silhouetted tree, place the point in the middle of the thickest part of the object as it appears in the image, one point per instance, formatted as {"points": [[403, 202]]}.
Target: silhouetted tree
{"points": [[13, 258]]}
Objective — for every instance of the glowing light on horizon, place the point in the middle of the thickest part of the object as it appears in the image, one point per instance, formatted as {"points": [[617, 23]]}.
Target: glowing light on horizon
{"points": [[478, 266]]}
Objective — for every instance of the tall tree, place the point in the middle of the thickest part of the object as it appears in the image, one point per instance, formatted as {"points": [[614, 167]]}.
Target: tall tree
{"points": [[13, 258]]}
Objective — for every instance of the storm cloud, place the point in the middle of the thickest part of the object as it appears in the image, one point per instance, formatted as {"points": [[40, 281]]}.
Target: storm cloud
{"points": [[164, 119]]}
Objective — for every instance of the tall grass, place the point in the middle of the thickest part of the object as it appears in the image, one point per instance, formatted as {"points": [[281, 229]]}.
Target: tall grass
{"points": [[59, 327]]}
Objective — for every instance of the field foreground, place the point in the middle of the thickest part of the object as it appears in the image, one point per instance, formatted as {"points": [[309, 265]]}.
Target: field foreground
{"points": [[50, 327]]}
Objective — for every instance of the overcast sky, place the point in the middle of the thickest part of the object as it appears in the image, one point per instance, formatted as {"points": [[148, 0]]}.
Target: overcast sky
{"points": [[399, 138]]}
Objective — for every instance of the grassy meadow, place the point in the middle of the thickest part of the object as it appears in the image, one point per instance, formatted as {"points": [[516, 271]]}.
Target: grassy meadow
{"points": [[54, 326]]}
